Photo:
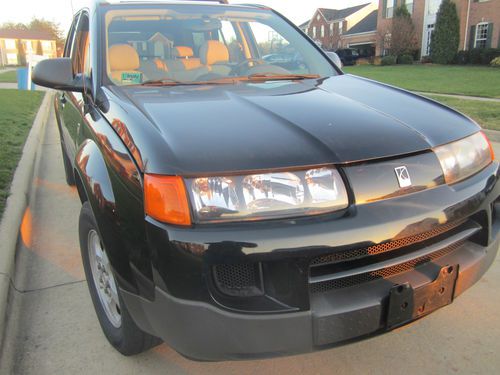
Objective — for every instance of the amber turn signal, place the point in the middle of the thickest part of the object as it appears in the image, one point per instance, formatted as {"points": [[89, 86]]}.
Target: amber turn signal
{"points": [[489, 145], [165, 199]]}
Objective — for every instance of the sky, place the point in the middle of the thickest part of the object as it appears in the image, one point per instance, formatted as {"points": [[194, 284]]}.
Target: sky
{"points": [[61, 11]]}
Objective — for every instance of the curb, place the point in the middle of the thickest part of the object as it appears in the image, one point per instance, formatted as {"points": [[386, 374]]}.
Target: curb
{"points": [[16, 205]]}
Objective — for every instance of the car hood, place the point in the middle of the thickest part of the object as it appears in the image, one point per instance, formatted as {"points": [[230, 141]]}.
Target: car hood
{"points": [[194, 130]]}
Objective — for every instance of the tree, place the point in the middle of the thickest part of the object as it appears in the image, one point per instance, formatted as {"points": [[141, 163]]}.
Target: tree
{"points": [[403, 38], [41, 24], [446, 35]]}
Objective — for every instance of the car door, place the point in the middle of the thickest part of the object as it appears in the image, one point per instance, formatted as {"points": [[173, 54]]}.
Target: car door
{"points": [[61, 96], [72, 103]]}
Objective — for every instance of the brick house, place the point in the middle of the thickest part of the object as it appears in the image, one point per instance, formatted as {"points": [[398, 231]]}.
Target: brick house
{"points": [[362, 36], [33, 42], [479, 22], [327, 26]]}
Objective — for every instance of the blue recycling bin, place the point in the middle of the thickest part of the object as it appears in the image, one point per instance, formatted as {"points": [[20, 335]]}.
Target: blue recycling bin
{"points": [[22, 79]]}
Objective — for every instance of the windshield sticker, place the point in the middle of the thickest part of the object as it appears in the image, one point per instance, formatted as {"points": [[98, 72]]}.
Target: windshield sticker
{"points": [[132, 78]]}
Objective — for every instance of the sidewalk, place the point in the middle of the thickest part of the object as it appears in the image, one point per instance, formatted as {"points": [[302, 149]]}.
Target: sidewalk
{"points": [[11, 85], [463, 97]]}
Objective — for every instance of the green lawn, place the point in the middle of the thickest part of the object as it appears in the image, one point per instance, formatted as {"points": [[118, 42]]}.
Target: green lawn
{"points": [[9, 76], [445, 79], [17, 112], [487, 114]]}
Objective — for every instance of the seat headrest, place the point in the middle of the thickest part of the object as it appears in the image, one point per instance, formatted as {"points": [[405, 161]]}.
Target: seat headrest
{"points": [[183, 52], [123, 57], [213, 52]]}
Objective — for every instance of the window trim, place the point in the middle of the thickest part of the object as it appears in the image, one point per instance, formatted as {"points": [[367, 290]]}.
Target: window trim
{"points": [[476, 39]]}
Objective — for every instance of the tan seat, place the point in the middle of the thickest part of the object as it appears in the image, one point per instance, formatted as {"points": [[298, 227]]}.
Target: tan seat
{"points": [[186, 57], [123, 58], [214, 55]]}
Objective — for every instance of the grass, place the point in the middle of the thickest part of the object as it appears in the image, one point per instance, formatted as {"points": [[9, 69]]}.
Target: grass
{"points": [[17, 112], [446, 79], [9, 76], [487, 114]]}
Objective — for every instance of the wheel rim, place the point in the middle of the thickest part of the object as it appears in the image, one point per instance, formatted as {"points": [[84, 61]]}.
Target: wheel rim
{"points": [[104, 280]]}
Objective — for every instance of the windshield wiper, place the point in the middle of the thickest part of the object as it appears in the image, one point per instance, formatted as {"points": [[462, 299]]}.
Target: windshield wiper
{"points": [[173, 82], [280, 77]]}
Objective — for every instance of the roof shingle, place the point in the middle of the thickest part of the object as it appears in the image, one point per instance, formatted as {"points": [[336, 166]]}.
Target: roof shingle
{"points": [[338, 14], [367, 24]]}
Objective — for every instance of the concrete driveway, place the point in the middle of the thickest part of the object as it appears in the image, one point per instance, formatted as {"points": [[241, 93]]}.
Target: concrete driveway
{"points": [[52, 328]]}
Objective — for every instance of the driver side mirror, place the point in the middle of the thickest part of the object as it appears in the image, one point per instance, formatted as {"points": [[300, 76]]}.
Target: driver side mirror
{"points": [[57, 74], [334, 58]]}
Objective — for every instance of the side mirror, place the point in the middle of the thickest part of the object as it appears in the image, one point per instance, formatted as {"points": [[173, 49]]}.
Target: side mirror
{"points": [[334, 58], [57, 74]]}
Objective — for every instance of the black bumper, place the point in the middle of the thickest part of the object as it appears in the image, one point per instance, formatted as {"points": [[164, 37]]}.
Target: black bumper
{"points": [[188, 314], [201, 331]]}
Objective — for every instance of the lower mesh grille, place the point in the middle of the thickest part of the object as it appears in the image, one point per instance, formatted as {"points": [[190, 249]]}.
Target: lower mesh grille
{"points": [[383, 273], [384, 247], [241, 279]]}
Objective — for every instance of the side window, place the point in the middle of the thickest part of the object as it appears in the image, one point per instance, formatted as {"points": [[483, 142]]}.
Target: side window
{"points": [[199, 39], [70, 38], [275, 49], [80, 45], [227, 35]]}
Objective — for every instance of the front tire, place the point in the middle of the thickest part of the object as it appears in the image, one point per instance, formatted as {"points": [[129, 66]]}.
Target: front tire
{"points": [[114, 318]]}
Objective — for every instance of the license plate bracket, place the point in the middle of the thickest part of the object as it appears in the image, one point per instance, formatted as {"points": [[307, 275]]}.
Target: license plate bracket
{"points": [[407, 304]]}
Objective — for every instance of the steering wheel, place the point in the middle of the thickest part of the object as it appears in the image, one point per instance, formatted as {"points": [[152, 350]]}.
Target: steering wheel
{"points": [[246, 63]]}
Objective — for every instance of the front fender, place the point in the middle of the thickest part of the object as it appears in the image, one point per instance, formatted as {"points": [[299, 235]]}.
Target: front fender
{"points": [[113, 187]]}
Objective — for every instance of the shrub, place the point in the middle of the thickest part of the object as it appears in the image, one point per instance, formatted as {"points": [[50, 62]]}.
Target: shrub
{"points": [[388, 60], [446, 36], [426, 60], [405, 59], [461, 58], [495, 62], [483, 55]]}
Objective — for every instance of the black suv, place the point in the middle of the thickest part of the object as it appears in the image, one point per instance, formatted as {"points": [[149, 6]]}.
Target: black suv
{"points": [[348, 56], [235, 208]]}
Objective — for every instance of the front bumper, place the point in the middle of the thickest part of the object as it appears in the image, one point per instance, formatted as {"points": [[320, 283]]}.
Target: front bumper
{"points": [[292, 317]]}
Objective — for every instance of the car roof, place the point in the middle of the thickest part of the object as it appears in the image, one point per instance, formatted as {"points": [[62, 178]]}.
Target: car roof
{"points": [[177, 2]]}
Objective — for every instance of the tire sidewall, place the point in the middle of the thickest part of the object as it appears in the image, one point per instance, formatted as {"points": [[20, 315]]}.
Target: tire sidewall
{"points": [[88, 223]]}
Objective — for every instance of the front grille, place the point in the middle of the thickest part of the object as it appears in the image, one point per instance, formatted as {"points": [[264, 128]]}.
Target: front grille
{"points": [[383, 273], [384, 247], [242, 279]]}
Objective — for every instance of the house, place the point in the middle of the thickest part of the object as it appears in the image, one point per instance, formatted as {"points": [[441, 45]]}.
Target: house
{"points": [[33, 43], [304, 26], [327, 26], [362, 36], [479, 22]]}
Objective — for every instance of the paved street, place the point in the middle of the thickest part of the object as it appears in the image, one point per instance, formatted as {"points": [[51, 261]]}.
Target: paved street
{"points": [[53, 329]]}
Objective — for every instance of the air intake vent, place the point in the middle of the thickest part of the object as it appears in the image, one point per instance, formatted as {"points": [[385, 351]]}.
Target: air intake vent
{"points": [[239, 280]]}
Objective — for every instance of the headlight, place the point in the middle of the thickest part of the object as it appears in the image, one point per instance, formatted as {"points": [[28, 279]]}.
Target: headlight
{"points": [[463, 158], [267, 195]]}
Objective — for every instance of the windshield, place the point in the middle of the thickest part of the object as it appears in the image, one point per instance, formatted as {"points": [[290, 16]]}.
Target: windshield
{"points": [[196, 44]]}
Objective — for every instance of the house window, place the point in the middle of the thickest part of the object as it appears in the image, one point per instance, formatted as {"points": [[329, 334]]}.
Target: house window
{"points": [[47, 46], [433, 6], [314, 32], [318, 17], [10, 44], [409, 5], [389, 8], [481, 35], [307, 31], [322, 31], [331, 29], [340, 28]]}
